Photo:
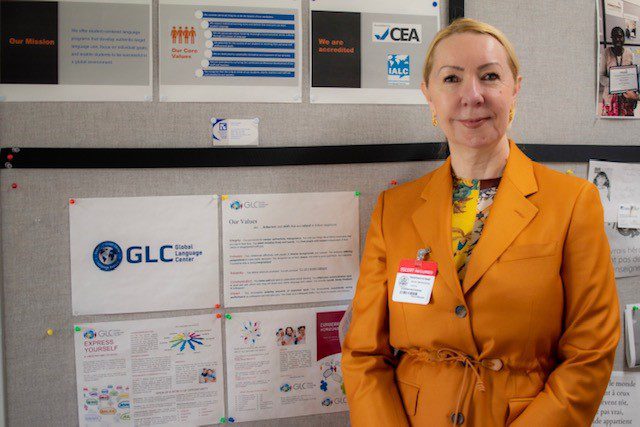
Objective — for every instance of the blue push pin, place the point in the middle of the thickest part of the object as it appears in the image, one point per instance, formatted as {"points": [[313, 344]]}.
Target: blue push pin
{"points": [[231, 419], [435, 4]]}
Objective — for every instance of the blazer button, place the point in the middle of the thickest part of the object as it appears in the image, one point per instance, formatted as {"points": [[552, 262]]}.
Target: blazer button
{"points": [[461, 311], [457, 418]]}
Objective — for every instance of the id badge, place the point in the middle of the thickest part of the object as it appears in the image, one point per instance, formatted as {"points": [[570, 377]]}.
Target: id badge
{"points": [[414, 281]]}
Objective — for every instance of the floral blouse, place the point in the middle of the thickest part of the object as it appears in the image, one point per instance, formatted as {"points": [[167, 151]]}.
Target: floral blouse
{"points": [[472, 199]]}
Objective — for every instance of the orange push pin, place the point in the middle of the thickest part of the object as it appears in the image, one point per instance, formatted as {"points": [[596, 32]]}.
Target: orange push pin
{"points": [[218, 315]]}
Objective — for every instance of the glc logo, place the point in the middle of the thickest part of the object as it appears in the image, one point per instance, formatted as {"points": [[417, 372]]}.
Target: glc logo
{"points": [[89, 335], [107, 255], [396, 33], [102, 333], [237, 205], [285, 388], [327, 402]]}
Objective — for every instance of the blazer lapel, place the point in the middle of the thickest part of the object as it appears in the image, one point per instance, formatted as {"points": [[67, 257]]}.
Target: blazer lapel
{"points": [[508, 216], [432, 220]]}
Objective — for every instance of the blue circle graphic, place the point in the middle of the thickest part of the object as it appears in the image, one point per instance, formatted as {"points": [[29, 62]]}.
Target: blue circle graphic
{"points": [[107, 255]]}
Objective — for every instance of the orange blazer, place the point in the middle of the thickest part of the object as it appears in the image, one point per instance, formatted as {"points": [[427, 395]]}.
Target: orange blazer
{"points": [[527, 339]]}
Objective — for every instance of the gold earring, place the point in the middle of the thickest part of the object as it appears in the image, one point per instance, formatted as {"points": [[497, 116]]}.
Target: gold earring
{"points": [[512, 113], [434, 120]]}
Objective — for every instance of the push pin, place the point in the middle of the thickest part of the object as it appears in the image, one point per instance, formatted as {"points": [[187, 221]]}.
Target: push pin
{"points": [[50, 332], [217, 306], [14, 185], [635, 308], [225, 197], [357, 194], [9, 156], [227, 316], [393, 182], [231, 419], [223, 420], [72, 201], [77, 328], [218, 315], [570, 172]]}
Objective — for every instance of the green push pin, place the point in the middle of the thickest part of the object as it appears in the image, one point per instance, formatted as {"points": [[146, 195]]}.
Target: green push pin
{"points": [[77, 329], [228, 316], [223, 420], [357, 194], [635, 308]]}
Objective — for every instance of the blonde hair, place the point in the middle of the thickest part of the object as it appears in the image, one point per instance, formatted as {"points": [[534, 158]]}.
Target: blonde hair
{"points": [[468, 25]]}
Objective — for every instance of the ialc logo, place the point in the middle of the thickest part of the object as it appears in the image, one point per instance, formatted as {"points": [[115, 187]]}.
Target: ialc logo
{"points": [[396, 33], [398, 69], [107, 255]]}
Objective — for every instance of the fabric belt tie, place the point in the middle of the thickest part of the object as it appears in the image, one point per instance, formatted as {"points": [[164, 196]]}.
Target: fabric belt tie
{"points": [[469, 363]]}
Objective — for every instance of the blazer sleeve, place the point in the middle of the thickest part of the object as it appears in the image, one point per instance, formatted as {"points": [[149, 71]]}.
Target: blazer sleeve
{"points": [[586, 349], [367, 358]]}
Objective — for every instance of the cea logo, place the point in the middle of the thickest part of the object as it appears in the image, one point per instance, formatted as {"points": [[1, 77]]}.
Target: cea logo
{"points": [[108, 255], [396, 33]]}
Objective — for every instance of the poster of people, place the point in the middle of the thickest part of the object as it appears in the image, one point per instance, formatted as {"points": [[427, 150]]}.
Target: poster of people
{"points": [[284, 363], [618, 59]]}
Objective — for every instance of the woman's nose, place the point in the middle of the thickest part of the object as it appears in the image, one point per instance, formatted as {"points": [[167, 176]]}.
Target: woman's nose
{"points": [[472, 93]]}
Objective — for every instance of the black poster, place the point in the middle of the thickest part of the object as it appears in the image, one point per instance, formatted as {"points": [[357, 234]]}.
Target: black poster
{"points": [[335, 49], [29, 42]]}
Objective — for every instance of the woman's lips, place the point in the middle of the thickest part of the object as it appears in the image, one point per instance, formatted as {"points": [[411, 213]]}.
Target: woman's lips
{"points": [[475, 123]]}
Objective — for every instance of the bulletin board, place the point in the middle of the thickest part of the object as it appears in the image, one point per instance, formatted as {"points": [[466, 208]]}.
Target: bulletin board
{"points": [[555, 107]]}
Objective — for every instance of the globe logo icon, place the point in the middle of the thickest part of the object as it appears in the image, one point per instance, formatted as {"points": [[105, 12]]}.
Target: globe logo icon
{"points": [[236, 205], [107, 255]]}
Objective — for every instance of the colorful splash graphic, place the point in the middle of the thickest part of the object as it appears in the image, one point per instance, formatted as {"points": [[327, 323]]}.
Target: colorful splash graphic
{"points": [[331, 373], [110, 404], [182, 340], [251, 332]]}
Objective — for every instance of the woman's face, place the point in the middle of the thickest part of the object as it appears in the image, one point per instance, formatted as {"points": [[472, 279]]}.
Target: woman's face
{"points": [[289, 331], [471, 89]]}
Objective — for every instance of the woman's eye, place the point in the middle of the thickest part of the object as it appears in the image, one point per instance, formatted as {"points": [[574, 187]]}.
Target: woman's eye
{"points": [[451, 79], [491, 76]]}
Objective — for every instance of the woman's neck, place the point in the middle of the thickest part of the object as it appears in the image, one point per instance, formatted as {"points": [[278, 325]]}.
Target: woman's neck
{"points": [[617, 50], [479, 163]]}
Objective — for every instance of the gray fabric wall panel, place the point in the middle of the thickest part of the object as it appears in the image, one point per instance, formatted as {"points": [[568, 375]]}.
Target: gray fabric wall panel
{"points": [[556, 45]]}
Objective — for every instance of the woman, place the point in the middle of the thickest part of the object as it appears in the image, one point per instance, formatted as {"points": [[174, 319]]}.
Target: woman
{"points": [[521, 325], [288, 336], [616, 104]]}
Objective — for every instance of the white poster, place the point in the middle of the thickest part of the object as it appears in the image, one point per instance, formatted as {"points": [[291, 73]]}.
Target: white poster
{"points": [[284, 363], [617, 184], [230, 51], [625, 249], [289, 248], [135, 254], [370, 51], [620, 402], [161, 372], [90, 50]]}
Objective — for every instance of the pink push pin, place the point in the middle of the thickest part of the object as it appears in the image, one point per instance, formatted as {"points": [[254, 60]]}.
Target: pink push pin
{"points": [[9, 156], [14, 185]]}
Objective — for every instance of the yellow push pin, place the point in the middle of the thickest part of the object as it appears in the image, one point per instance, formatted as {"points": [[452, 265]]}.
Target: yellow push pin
{"points": [[570, 172], [50, 332]]}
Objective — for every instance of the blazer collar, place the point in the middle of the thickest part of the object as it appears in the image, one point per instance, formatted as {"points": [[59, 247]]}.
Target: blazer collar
{"points": [[509, 215]]}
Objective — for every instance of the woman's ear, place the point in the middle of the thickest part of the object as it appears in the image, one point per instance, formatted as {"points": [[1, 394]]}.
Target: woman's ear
{"points": [[427, 95]]}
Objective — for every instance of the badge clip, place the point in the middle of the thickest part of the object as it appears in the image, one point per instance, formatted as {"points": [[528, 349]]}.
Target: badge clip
{"points": [[423, 254]]}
